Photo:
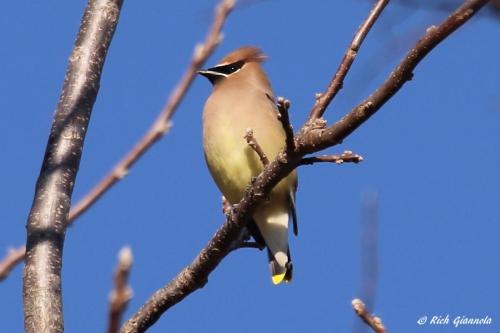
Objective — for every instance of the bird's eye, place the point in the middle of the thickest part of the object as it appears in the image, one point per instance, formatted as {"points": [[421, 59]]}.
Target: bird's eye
{"points": [[228, 69]]}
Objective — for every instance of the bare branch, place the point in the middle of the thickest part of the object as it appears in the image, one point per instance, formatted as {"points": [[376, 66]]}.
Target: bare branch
{"points": [[374, 322], [121, 294], [162, 124], [324, 99], [283, 116], [318, 139], [252, 142], [13, 257], [347, 157], [48, 218], [314, 136]]}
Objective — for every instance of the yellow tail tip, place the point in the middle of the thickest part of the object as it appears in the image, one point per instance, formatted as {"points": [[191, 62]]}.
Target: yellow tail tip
{"points": [[277, 279]]}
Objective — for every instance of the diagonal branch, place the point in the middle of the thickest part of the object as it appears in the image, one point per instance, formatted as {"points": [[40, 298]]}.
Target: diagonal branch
{"points": [[345, 157], [324, 99], [49, 213], [252, 142], [13, 257], [309, 140], [162, 124]]}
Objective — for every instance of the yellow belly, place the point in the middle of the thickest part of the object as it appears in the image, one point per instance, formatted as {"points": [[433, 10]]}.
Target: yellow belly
{"points": [[233, 163]]}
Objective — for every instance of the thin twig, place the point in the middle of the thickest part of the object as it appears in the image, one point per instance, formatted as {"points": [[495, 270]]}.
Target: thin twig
{"points": [[374, 322], [324, 99], [121, 293], [195, 275], [48, 217], [13, 257], [162, 124], [252, 142], [347, 157], [283, 116], [226, 206]]}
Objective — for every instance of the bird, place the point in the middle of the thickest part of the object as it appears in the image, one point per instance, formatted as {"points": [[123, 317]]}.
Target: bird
{"points": [[242, 99]]}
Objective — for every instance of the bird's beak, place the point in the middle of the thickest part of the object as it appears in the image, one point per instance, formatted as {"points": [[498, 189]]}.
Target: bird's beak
{"points": [[207, 73], [203, 72], [212, 76]]}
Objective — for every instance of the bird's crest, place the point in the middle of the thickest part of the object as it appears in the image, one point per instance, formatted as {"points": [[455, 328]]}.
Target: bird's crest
{"points": [[246, 54]]}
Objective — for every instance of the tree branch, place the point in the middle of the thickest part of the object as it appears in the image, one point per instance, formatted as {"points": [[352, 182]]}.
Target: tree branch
{"points": [[374, 322], [162, 124], [252, 142], [49, 213], [226, 206], [347, 156], [121, 294], [324, 99], [314, 136], [13, 257], [317, 139], [283, 116]]}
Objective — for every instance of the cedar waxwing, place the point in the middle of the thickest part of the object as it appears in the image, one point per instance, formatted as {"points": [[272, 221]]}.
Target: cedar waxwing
{"points": [[242, 99]]}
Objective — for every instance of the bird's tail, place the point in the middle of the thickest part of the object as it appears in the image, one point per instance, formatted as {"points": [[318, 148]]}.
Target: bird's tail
{"points": [[272, 221], [280, 273]]}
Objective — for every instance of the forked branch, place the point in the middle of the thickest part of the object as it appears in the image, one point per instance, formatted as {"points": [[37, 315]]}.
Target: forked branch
{"points": [[324, 99], [317, 139]]}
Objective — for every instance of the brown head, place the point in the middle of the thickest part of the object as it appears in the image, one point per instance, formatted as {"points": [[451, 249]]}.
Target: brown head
{"points": [[239, 60]]}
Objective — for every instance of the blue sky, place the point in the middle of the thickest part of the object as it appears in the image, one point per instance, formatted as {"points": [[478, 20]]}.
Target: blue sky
{"points": [[431, 154]]}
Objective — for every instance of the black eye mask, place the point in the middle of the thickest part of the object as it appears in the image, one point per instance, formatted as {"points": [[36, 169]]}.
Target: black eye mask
{"points": [[228, 69]]}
